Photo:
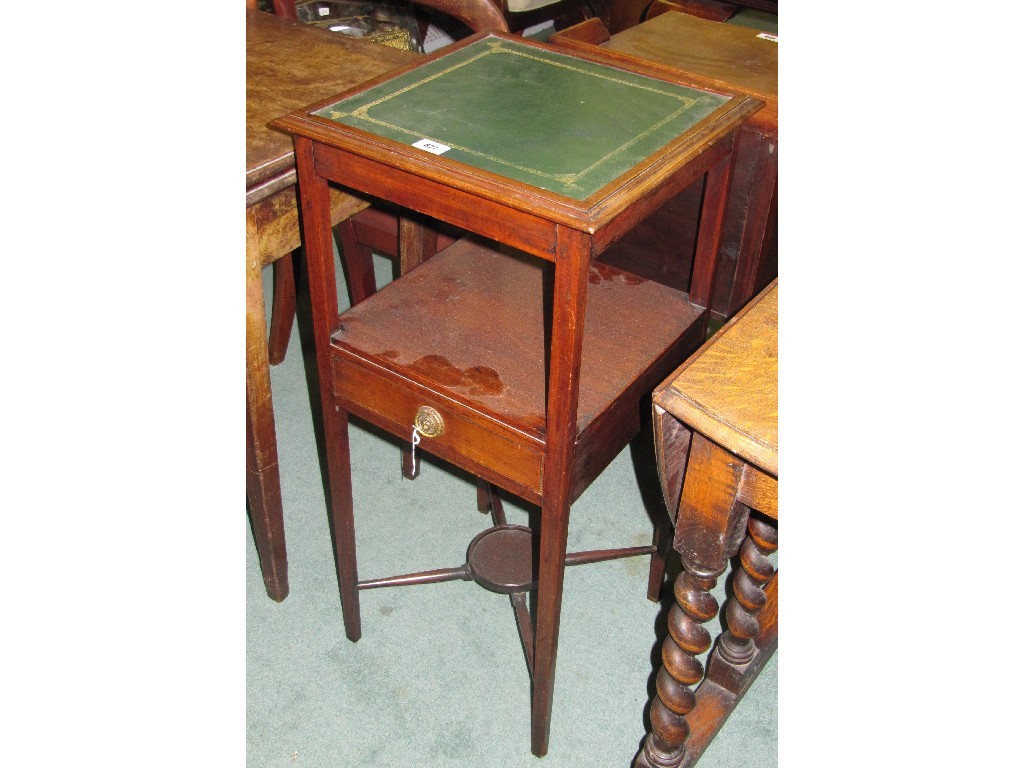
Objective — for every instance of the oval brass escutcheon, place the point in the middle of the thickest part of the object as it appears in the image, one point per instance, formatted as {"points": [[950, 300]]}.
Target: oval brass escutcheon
{"points": [[428, 421]]}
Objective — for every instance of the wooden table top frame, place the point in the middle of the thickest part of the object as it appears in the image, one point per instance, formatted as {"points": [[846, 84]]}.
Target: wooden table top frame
{"points": [[288, 64], [716, 437], [548, 444], [714, 54]]}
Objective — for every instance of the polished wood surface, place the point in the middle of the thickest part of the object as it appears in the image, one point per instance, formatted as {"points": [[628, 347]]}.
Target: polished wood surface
{"points": [[718, 55], [715, 55], [582, 404], [628, 13], [288, 65], [729, 392], [716, 437], [283, 62]]}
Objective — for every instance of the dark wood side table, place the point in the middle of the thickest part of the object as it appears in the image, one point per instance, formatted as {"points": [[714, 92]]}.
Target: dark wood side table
{"points": [[718, 55], [288, 64], [716, 436], [511, 355]]}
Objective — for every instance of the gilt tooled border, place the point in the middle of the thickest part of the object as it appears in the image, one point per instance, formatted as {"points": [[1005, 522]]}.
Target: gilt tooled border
{"points": [[570, 180]]}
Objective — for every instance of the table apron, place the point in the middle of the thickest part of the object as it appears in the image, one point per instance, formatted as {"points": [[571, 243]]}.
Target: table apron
{"points": [[507, 225], [269, 187], [628, 219]]}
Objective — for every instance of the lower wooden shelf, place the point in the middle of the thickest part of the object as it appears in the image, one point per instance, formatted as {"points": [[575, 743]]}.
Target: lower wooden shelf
{"points": [[466, 333]]}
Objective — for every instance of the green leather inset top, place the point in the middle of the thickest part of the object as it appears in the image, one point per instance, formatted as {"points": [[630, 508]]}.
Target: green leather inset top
{"points": [[542, 118]]}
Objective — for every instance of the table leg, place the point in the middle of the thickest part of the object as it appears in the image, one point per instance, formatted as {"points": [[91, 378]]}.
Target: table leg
{"points": [[319, 261], [358, 261], [672, 446], [708, 528], [705, 258], [263, 481], [763, 160], [572, 267], [416, 241], [342, 520], [662, 543], [283, 314], [732, 663]]}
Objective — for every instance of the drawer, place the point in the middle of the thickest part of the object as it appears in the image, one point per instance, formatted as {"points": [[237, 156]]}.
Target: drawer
{"points": [[468, 439]]}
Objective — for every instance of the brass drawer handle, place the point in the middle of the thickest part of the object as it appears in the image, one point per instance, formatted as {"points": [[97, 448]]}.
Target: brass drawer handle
{"points": [[428, 421]]}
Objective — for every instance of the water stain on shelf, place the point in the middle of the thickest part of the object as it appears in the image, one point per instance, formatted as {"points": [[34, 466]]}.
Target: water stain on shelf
{"points": [[476, 380]]}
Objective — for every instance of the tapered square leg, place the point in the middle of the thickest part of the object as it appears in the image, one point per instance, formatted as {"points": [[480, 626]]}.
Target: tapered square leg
{"points": [[263, 482]]}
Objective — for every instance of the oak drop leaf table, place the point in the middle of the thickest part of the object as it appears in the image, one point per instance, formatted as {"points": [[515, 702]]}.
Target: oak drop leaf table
{"points": [[716, 437], [510, 354]]}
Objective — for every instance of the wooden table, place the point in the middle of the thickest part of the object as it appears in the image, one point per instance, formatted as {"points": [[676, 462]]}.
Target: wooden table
{"points": [[520, 361], [716, 418], [715, 55], [288, 64], [629, 13]]}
